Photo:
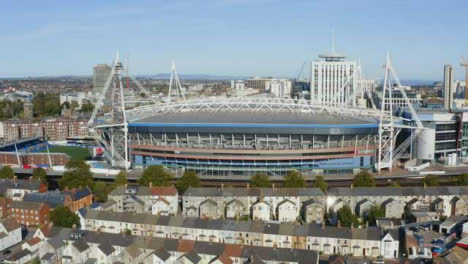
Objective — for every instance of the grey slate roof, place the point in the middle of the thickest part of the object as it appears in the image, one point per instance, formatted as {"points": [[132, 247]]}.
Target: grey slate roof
{"points": [[81, 245], [26, 205], [253, 192], [232, 225], [192, 256], [398, 191], [106, 248], [52, 198], [161, 246], [32, 185], [47, 256], [162, 254]]}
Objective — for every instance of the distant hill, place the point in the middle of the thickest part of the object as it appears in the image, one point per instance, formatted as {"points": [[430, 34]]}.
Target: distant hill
{"points": [[417, 82], [193, 76]]}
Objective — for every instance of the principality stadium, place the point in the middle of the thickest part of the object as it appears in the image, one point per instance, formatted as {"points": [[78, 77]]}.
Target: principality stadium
{"points": [[236, 138]]}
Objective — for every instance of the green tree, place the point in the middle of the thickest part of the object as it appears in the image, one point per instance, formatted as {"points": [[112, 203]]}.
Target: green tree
{"points": [[78, 174], [260, 180], [374, 212], [63, 217], [87, 107], [46, 104], [364, 179], [462, 180], [320, 182], [157, 175], [34, 261], [294, 179], [346, 216], [431, 180], [121, 178], [6, 172], [394, 184], [189, 179], [40, 174], [74, 105], [101, 190]]}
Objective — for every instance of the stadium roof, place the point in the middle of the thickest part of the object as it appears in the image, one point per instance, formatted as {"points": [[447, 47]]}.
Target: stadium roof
{"points": [[260, 122], [254, 117]]}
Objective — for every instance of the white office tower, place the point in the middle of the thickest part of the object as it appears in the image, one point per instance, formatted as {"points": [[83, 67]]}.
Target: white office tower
{"points": [[279, 87], [334, 81], [448, 86], [101, 73]]}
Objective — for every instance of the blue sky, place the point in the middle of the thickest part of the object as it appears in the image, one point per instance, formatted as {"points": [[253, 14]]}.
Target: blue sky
{"points": [[231, 37]]}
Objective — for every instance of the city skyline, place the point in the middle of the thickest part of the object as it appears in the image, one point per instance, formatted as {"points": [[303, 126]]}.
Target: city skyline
{"points": [[235, 38]]}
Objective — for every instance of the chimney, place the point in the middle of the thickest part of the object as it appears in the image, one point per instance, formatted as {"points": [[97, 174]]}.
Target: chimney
{"points": [[424, 185], [51, 224], [273, 186], [323, 223], [222, 186], [338, 224], [15, 178], [367, 224], [126, 185], [351, 185], [150, 184], [74, 227], [30, 178], [248, 186]]}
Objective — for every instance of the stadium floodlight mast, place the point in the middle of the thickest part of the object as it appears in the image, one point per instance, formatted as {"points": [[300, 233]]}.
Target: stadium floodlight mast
{"points": [[174, 80], [111, 132], [388, 130]]}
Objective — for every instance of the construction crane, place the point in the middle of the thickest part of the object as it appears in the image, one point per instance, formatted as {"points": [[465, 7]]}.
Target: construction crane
{"points": [[464, 63]]}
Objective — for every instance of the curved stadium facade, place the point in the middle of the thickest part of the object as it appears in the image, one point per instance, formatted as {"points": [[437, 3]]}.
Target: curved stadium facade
{"points": [[237, 144]]}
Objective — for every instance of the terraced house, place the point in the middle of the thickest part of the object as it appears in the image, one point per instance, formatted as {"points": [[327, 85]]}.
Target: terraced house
{"points": [[145, 199], [283, 204], [370, 242], [77, 246], [16, 188], [446, 201]]}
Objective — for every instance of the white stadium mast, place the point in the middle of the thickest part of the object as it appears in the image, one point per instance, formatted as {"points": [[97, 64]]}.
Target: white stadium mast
{"points": [[110, 130], [174, 80], [388, 130]]}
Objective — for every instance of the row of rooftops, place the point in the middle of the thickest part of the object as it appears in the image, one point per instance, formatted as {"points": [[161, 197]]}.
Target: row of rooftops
{"points": [[162, 247], [30, 185], [333, 191], [287, 229], [144, 190], [57, 198]]}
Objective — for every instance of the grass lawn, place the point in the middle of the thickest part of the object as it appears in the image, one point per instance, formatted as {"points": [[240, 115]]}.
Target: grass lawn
{"points": [[75, 153]]}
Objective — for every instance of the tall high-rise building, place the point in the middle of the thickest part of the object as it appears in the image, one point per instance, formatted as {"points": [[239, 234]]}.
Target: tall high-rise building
{"points": [[28, 109], [101, 72], [333, 81], [448, 86]]}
